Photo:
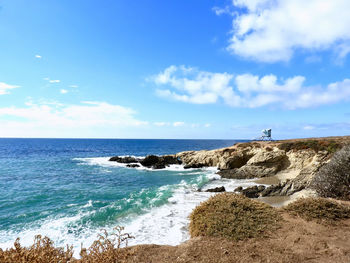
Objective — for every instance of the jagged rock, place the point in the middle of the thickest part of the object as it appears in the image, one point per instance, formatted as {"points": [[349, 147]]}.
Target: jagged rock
{"points": [[150, 160], [273, 190], [135, 165], [127, 159], [253, 191], [236, 161], [159, 162], [171, 159], [158, 166], [216, 189], [234, 174], [238, 189], [196, 165]]}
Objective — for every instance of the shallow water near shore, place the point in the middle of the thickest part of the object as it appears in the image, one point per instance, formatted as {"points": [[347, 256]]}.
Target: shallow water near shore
{"points": [[68, 190]]}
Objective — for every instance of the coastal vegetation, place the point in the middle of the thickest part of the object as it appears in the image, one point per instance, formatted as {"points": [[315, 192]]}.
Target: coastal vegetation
{"points": [[106, 249], [234, 217], [320, 209], [330, 146]]}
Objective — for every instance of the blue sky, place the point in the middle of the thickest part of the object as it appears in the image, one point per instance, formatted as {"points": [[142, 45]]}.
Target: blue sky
{"points": [[174, 69]]}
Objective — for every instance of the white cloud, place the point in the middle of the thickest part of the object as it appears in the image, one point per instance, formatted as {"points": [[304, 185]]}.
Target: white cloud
{"points": [[4, 88], [63, 91], [178, 124], [38, 56], [54, 81], [194, 86], [308, 127], [271, 30], [207, 125], [74, 86], [57, 120], [246, 90], [161, 124]]}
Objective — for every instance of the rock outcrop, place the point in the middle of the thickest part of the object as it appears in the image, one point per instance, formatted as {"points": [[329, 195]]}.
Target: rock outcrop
{"points": [[150, 161], [127, 159], [293, 163], [216, 189]]}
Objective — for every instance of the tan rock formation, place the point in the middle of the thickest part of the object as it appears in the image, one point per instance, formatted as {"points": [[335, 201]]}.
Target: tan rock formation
{"points": [[293, 163]]}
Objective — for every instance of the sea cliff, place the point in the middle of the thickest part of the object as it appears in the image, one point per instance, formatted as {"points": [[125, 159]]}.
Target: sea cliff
{"points": [[290, 164]]}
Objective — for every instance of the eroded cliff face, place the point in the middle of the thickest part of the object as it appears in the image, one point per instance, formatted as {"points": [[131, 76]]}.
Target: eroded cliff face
{"points": [[294, 168]]}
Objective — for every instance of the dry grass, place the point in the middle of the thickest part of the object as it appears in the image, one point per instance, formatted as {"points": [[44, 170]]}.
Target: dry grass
{"points": [[320, 209], [106, 249], [233, 217], [248, 144], [330, 146], [42, 251]]}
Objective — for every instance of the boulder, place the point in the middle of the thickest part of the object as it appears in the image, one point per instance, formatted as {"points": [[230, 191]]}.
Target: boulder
{"points": [[195, 165], [150, 160], [238, 189], [127, 159], [216, 189], [134, 165], [159, 162], [236, 174], [253, 191]]}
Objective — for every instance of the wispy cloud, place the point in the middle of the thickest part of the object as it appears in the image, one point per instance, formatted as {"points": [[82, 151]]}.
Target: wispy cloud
{"points": [[162, 124], [63, 91], [42, 119], [271, 30], [178, 124], [190, 85], [54, 81], [38, 56], [73, 86], [5, 88]]}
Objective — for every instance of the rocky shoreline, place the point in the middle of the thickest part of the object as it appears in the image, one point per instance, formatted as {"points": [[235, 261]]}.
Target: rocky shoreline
{"points": [[290, 164]]}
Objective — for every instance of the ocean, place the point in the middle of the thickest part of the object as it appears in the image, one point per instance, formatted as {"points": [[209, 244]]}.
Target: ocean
{"points": [[67, 190]]}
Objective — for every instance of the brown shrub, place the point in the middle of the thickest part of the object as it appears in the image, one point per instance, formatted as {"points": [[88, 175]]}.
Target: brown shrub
{"points": [[333, 179], [42, 251], [234, 217], [319, 209], [248, 144], [106, 249], [316, 145]]}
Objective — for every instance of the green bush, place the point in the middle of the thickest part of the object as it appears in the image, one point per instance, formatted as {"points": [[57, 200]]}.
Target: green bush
{"points": [[319, 209], [233, 217], [333, 179]]}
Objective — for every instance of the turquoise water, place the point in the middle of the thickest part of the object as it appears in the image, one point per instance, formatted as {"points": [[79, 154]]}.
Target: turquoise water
{"points": [[67, 189]]}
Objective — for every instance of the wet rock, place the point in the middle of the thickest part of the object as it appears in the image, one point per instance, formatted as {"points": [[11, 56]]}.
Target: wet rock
{"points": [[134, 165], [150, 160], [238, 189], [159, 162], [158, 166], [127, 159], [253, 191], [216, 189], [195, 165]]}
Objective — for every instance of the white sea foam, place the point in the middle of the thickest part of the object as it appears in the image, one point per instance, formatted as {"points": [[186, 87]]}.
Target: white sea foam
{"points": [[104, 162], [168, 224], [164, 225]]}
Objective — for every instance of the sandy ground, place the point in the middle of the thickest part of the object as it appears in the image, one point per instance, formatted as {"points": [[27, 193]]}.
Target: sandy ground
{"points": [[296, 241]]}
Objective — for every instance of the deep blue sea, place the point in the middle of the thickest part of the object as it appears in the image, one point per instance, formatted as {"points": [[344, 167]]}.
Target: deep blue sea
{"points": [[68, 190]]}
